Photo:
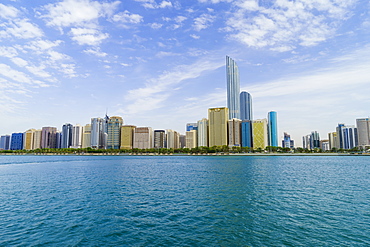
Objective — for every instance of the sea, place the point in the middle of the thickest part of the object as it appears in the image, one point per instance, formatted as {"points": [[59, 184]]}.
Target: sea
{"points": [[184, 200]]}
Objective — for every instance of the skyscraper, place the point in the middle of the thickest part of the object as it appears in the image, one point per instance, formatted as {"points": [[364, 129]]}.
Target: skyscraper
{"points": [[66, 135], [127, 136], [260, 135], [233, 88], [5, 142], [272, 129], [234, 132], [98, 134], [16, 142], [246, 106], [114, 125], [217, 118], [49, 137], [143, 138], [77, 136], [203, 133], [246, 127], [363, 130], [159, 138]]}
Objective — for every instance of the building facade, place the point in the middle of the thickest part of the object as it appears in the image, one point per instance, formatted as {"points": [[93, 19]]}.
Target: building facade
{"points": [[159, 138], [5, 142], [272, 129], [217, 118], [191, 139], [114, 132], [16, 141], [246, 135], [66, 135], [127, 136], [143, 138], [363, 131], [246, 106], [234, 132], [260, 133], [233, 88], [202, 133], [49, 137]]}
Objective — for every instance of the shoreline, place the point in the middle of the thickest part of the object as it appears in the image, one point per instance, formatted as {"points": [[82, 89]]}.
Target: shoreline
{"points": [[185, 154]]}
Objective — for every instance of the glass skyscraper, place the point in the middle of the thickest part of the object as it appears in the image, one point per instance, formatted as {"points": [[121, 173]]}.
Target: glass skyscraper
{"points": [[233, 88], [272, 129], [245, 106]]}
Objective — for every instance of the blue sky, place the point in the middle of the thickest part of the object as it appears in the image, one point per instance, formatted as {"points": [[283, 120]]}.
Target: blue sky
{"points": [[162, 63]]}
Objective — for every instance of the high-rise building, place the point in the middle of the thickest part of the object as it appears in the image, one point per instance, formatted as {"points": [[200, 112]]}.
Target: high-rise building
{"points": [[77, 136], [287, 142], [98, 133], [272, 129], [127, 136], [306, 140], [49, 137], [339, 135], [143, 138], [332, 140], [16, 141], [203, 133], [233, 88], [5, 142], [246, 128], [66, 135], [324, 145], [182, 140], [191, 126], [28, 139], [217, 118], [173, 139], [37, 139], [349, 137], [314, 140], [363, 132], [260, 133], [114, 132], [191, 139], [246, 106], [159, 138], [234, 132], [86, 138]]}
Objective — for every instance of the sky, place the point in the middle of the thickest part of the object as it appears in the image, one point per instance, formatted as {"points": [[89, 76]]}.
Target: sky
{"points": [[161, 63]]}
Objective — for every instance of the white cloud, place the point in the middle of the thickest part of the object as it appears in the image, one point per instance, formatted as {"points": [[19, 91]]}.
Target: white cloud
{"points": [[8, 52], [88, 36], [96, 52], [19, 61], [194, 36], [285, 24], [22, 29], [166, 54], [203, 22], [7, 71], [40, 45], [156, 25], [8, 11], [127, 18]]}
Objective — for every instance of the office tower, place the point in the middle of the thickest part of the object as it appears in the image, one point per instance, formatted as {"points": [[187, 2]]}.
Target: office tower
{"points": [[324, 145], [58, 137], [77, 136], [272, 129], [28, 139], [203, 133], [182, 140], [363, 131], [246, 129], [98, 134], [86, 138], [246, 106], [332, 140], [306, 140], [114, 125], [48, 137], [127, 136], [260, 135], [16, 141], [234, 132], [66, 141], [314, 140], [191, 126], [143, 138], [339, 135], [287, 141], [159, 138], [233, 88], [217, 120], [191, 139], [5, 142], [37, 139], [349, 137], [173, 139]]}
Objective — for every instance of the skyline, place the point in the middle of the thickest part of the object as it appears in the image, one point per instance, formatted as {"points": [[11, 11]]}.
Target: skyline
{"points": [[162, 63]]}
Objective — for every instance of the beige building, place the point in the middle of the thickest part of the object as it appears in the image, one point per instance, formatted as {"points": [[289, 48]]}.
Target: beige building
{"points": [[143, 138], [191, 139], [36, 139], [127, 136], [217, 118], [202, 133], [173, 139], [28, 139], [77, 136], [234, 132], [86, 138], [260, 136], [332, 140]]}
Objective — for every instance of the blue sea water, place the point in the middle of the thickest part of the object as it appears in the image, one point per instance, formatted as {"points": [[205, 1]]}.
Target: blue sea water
{"points": [[184, 201]]}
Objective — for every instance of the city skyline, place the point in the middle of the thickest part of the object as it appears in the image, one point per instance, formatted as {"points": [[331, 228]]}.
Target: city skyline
{"points": [[161, 63]]}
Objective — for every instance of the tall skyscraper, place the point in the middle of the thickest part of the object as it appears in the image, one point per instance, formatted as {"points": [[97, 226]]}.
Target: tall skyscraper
{"points": [[349, 135], [234, 132], [340, 135], [159, 138], [5, 142], [77, 136], [332, 140], [191, 138], [233, 88], [272, 129], [98, 134], [114, 125], [191, 126], [260, 133], [86, 138], [127, 136], [247, 140], [37, 139], [217, 118], [49, 137], [203, 133], [173, 139], [246, 106], [287, 142], [363, 131], [66, 135], [143, 138], [314, 140], [28, 139]]}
